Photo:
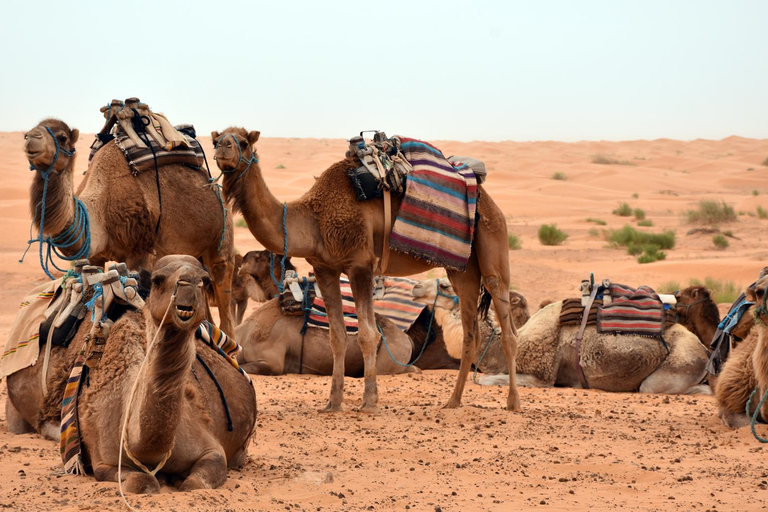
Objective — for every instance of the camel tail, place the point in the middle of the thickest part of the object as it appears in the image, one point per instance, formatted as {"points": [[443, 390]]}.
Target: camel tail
{"points": [[485, 304]]}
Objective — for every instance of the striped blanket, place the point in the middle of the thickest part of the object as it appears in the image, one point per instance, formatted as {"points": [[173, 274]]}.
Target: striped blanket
{"points": [[572, 311], [396, 304], [22, 346], [632, 312], [141, 159], [436, 221]]}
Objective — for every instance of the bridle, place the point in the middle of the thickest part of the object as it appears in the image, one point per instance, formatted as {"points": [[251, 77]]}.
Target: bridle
{"points": [[240, 157]]}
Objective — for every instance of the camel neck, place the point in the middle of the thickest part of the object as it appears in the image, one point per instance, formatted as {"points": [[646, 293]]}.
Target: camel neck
{"points": [[59, 204], [264, 215], [156, 411]]}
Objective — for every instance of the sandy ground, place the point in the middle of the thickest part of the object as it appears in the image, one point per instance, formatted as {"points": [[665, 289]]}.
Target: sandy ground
{"points": [[569, 449]]}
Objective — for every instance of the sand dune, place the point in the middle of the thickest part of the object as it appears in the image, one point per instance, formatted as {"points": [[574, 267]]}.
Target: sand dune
{"points": [[571, 450]]}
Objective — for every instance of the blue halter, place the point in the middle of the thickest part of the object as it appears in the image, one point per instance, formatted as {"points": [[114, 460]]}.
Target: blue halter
{"points": [[454, 298], [240, 157]]}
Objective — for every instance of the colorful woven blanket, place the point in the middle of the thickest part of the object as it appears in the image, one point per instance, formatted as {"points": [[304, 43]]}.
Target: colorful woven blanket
{"points": [[436, 220], [22, 346], [397, 304], [218, 340], [632, 312]]}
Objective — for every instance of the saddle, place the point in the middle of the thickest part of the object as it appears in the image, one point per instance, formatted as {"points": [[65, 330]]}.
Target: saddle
{"points": [[146, 138]]}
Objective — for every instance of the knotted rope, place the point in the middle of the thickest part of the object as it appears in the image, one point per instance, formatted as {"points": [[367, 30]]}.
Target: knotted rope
{"points": [[79, 229]]}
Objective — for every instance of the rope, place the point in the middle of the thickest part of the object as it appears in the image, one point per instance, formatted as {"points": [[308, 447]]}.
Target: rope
{"points": [[79, 229], [240, 157], [477, 366], [280, 285], [753, 419], [127, 411], [221, 392], [140, 123]]}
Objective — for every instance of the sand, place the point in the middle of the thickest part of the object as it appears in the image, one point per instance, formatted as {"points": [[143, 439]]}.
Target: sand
{"points": [[569, 450]]}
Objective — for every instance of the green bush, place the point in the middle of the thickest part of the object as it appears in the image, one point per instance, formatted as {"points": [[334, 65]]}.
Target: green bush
{"points": [[594, 232], [604, 159], [639, 214], [560, 176], [635, 195], [628, 235], [549, 234], [668, 287], [722, 291], [651, 254], [720, 242], [240, 223], [514, 242], [762, 213], [755, 193], [624, 210], [645, 223], [279, 166], [711, 212], [599, 222]]}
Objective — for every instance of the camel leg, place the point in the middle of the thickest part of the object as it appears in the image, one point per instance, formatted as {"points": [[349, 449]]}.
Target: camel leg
{"points": [[264, 366], [328, 281], [241, 307], [209, 472], [134, 481], [16, 424], [361, 282], [467, 286], [221, 273], [498, 287]]}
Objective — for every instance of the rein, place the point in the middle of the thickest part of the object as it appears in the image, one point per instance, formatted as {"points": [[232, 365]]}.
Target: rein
{"points": [[687, 307], [240, 157], [80, 228]]}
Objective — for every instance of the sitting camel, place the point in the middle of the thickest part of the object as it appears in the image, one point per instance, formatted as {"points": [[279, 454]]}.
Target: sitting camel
{"points": [[123, 210], [173, 403], [621, 363], [337, 233]]}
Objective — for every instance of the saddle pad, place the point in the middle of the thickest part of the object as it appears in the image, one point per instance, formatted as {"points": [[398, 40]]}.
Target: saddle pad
{"points": [[141, 159], [22, 346], [436, 220], [318, 317], [632, 312], [572, 311]]}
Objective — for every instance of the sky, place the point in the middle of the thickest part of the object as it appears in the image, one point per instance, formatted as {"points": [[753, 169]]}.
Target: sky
{"points": [[435, 70]]}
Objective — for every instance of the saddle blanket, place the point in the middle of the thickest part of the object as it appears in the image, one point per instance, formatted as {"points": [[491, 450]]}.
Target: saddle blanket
{"points": [[23, 344], [397, 305], [436, 220]]}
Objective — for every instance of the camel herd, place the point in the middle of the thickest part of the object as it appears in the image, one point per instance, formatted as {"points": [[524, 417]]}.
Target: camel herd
{"points": [[160, 399]]}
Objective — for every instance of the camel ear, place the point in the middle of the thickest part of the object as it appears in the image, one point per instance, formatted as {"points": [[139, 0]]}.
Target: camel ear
{"points": [[215, 135], [253, 137], [74, 136], [707, 293], [750, 294]]}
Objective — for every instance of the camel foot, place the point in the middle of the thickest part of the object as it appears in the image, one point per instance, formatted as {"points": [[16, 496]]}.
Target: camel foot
{"points": [[16, 424], [370, 409], [140, 483], [452, 404], [513, 403], [331, 407], [192, 483]]}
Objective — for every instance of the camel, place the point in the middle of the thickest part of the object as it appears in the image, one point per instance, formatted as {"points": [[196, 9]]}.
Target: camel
{"points": [[256, 265], [123, 210], [547, 356], [336, 233], [152, 393]]}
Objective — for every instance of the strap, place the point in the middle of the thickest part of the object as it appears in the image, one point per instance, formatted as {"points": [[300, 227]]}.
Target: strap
{"points": [[387, 231], [580, 336]]}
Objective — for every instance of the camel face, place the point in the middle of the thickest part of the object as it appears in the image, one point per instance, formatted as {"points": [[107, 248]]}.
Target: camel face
{"points": [[255, 263], [182, 281], [757, 294], [233, 145], [40, 147], [426, 291]]}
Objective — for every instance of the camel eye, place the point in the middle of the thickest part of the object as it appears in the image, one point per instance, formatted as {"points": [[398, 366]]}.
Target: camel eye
{"points": [[157, 280], [243, 144], [62, 138]]}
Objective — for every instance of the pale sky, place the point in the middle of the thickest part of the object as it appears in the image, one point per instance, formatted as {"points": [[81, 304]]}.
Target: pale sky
{"points": [[462, 70]]}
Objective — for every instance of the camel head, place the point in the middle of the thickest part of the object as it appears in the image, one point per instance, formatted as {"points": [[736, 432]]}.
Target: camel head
{"points": [[695, 303], [181, 280], [47, 140], [757, 294], [256, 264], [518, 304], [234, 149], [425, 292]]}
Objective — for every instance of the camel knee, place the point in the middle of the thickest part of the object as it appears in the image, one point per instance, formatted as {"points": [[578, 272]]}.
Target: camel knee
{"points": [[16, 424], [140, 483], [209, 472], [262, 367]]}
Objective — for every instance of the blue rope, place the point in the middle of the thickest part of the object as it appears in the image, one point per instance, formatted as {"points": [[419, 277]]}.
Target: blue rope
{"points": [[490, 340], [98, 293], [280, 285], [240, 157], [757, 411], [80, 227], [221, 392]]}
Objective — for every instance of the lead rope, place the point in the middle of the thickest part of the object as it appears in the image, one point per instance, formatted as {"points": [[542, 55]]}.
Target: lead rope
{"points": [[127, 411], [280, 285], [759, 309]]}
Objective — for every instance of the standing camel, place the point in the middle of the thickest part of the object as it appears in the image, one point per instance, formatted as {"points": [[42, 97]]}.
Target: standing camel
{"points": [[336, 233], [189, 412], [122, 209]]}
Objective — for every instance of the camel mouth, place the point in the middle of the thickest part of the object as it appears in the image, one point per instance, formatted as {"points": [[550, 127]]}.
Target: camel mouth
{"points": [[184, 313]]}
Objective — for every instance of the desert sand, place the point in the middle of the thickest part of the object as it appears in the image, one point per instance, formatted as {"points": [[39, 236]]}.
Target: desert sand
{"points": [[568, 450]]}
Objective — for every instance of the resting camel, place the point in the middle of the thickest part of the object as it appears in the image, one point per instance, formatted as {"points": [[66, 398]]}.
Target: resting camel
{"points": [[176, 416], [123, 209], [336, 233], [548, 357]]}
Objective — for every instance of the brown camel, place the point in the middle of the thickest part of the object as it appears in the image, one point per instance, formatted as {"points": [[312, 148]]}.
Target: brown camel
{"points": [[123, 209], [548, 357], [336, 233], [257, 264], [152, 392]]}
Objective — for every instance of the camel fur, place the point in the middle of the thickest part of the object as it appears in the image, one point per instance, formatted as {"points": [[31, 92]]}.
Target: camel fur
{"points": [[123, 210], [176, 415], [336, 233]]}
